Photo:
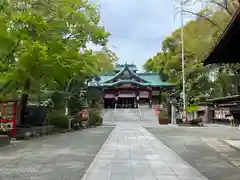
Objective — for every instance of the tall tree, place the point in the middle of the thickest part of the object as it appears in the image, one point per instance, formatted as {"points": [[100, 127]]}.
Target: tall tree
{"points": [[199, 37], [45, 38]]}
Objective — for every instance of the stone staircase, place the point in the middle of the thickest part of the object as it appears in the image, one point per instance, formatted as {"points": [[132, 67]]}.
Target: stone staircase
{"points": [[148, 114], [141, 115]]}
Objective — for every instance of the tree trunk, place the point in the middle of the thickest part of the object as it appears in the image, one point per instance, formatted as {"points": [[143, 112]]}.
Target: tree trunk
{"points": [[24, 100]]}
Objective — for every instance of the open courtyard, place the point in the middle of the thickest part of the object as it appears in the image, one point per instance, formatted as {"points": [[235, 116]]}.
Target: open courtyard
{"points": [[130, 148]]}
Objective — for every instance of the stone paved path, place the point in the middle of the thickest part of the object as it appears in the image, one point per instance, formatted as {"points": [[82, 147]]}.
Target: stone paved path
{"points": [[57, 157], [225, 150], [201, 147], [132, 153]]}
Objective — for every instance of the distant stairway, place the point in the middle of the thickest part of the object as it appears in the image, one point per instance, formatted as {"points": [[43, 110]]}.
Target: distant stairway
{"points": [[148, 114], [141, 115], [128, 115]]}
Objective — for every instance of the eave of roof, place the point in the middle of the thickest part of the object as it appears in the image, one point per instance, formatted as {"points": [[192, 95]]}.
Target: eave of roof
{"points": [[126, 82], [225, 99], [121, 82], [209, 59]]}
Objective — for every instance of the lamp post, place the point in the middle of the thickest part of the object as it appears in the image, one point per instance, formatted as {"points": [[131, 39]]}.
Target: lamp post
{"points": [[116, 99], [183, 68]]}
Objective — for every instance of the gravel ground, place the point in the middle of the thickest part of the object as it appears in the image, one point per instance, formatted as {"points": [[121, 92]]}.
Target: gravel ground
{"points": [[61, 156]]}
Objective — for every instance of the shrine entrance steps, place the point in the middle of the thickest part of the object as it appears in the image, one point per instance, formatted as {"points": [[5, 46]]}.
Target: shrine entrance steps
{"points": [[119, 116]]}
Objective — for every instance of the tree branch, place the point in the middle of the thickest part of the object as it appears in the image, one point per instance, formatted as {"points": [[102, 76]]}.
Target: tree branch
{"points": [[5, 86], [204, 17], [223, 6], [11, 52]]}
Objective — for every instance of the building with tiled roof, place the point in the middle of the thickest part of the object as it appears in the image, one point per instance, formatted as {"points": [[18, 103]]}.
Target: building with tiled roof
{"points": [[129, 88]]}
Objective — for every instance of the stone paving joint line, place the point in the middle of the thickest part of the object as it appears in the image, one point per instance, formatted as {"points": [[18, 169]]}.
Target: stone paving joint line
{"points": [[133, 153]]}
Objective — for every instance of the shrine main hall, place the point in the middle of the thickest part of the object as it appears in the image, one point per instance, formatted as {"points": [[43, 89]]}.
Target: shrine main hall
{"points": [[126, 88]]}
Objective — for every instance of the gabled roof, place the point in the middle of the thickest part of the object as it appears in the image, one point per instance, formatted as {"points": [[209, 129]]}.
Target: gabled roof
{"points": [[126, 68], [226, 49], [148, 79]]}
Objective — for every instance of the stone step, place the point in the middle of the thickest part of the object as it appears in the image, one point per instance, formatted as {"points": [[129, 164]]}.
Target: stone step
{"points": [[4, 140]]}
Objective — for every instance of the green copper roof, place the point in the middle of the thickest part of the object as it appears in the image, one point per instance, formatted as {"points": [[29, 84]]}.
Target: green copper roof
{"points": [[126, 68], [147, 79], [121, 82], [154, 79]]}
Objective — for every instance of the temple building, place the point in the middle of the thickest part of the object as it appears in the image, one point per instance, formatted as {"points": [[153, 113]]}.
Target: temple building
{"points": [[126, 88], [226, 51]]}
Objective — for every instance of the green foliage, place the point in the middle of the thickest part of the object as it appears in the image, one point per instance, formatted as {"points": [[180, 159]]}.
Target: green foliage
{"points": [[199, 36], [163, 114], [105, 60], [58, 119], [192, 108], [40, 41], [94, 118]]}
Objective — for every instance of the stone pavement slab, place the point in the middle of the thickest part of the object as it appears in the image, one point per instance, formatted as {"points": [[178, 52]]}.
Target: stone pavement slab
{"points": [[132, 153], [56, 157], [203, 149], [227, 149], [234, 143]]}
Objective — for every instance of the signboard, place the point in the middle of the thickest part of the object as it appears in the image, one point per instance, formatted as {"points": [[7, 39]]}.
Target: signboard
{"points": [[8, 117], [126, 95], [109, 96], [155, 93], [144, 94], [127, 86]]}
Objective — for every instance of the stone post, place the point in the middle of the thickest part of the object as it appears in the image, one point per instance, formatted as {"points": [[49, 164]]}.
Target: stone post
{"points": [[207, 114], [137, 97], [173, 119], [150, 98], [173, 110]]}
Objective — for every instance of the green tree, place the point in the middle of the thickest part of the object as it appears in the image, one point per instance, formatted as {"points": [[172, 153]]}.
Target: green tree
{"points": [[43, 43], [199, 37]]}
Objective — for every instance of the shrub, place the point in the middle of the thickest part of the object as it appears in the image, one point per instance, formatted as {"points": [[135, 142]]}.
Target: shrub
{"points": [[58, 119], [163, 114], [94, 118], [163, 117], [195, 122]]}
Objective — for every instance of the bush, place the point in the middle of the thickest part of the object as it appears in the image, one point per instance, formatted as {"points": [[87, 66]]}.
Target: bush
{"points": [[58, 119], [195, 122], [163, 117], [163, 114], [94, 119]]}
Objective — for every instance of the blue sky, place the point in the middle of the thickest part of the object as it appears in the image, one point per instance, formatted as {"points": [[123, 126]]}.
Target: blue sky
{"points": [[138, 27]]}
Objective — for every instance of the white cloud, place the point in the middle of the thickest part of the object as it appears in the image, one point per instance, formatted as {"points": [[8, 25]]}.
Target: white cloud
{"points": [[138, 26]]}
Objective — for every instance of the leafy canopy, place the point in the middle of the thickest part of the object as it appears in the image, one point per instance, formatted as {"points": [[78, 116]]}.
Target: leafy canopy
{"points": [[45, 42]]}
